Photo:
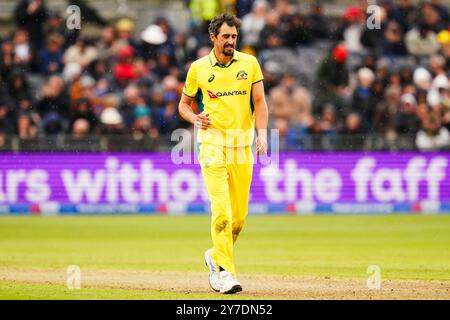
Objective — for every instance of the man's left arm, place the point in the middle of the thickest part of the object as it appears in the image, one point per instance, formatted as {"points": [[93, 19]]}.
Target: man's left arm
{"points": [[261, 116]]}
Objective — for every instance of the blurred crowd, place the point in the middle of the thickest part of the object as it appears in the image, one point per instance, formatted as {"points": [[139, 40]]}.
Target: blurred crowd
{"points": [[391, 81]]}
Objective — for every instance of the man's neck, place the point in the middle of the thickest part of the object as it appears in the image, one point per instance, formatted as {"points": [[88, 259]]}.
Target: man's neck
{"points": [[222, 59]]}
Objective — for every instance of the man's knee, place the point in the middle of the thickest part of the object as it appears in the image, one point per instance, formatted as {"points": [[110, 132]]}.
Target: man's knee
{"points": [[221, 225], [237, 227]]}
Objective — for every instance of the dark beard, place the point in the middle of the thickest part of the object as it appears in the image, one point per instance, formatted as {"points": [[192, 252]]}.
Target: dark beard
{"points": [[225, 53]]}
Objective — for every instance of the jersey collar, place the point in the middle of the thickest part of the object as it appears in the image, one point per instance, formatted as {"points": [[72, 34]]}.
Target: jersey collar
{"points": [[214, 62]]}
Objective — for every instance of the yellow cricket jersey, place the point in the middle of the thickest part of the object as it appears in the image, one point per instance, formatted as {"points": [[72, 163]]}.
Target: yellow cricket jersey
{"points": [[225, 93]]}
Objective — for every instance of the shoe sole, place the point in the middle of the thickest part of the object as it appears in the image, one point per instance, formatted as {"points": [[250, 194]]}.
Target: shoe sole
{"points": [[215, 290], [235, 289]]}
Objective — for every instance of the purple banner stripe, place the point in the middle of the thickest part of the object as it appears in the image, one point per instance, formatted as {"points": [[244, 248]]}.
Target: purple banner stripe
{"points": [[299, 178]]}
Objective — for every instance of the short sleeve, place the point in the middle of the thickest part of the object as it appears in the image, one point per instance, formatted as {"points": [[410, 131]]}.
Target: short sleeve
{"points": [[257, 74], [191, 85]]}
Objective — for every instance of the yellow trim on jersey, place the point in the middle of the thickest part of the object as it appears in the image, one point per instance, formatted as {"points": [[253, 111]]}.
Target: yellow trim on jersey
{"points": [[224, 92]]}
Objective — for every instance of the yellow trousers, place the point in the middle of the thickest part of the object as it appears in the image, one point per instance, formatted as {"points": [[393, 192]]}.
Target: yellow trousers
{"points": [[227, 173]]}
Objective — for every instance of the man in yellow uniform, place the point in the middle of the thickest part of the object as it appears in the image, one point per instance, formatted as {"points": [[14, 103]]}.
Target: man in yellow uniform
{"points": [[230, 90]]}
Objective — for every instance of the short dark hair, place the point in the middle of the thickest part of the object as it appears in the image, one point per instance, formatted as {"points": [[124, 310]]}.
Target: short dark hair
{"points": [[218, 21]]}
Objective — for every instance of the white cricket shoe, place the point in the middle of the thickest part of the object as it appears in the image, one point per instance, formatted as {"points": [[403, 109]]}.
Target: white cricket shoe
{"points": [[228, 283], [214, 280]]}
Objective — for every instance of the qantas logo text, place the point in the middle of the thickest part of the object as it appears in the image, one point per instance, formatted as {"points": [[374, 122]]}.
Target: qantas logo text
{"points": [[226, 94]]}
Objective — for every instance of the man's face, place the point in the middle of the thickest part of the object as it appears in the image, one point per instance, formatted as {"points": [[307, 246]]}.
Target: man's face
{"points": [[226, 39]]}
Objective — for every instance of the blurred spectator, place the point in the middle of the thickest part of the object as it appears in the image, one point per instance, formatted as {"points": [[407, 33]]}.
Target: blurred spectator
{"points": [[422, 79], [80, 130], [202, 12], [107, 47], [349, 30], [54, 98], [297, 33], [7, 59], [393, 45], [271, 35], [363, 101], [23, 53], [6, 124], [142, 109], [81, 138], [83, 110], [289, 100], [282, 126], [18, 88], [32, 14], [389, 7], [124, 69], [285, 11], [442, 10], [27, 128], [406, 14], [421, 42], [384, 119], [406, 120], [253, 23], [437, 65], [163, 65], [113, 128], [55, 24], [353, 124], [444, 41], [353, 133], [432, 136], [437, 96], [431, 18], [111, 121], [153, 38], [244, 7], [52, 124], [99, 70], [81, 53], [110, 100], [373, 38], [326, 128], [317, 22], [164, 111], [333, 80], [183, 50], [168, 45], [290, 104], [125, 29], [406, 75], [129, 103], [142, 124], [50, 58]]}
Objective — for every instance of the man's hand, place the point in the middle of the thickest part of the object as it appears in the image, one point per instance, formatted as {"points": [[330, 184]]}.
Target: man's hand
{"points": [[261, 146], [202, 121], [33, 6]]}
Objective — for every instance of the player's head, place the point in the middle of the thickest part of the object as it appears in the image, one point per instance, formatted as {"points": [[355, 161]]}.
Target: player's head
{"points": [[223, 31]]}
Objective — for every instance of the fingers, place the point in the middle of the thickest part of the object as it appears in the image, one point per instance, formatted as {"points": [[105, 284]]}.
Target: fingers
{"points": [[261, 147], [202, 121], [261, 152]]}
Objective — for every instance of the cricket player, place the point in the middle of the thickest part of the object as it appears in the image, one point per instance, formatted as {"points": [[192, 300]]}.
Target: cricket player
{"points": [[229, 88]]}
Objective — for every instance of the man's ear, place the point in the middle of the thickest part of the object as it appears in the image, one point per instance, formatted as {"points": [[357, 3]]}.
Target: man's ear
{"points": [[212, 37]]}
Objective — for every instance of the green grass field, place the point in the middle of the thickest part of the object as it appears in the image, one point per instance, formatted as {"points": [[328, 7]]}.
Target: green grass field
{"points": [[406, 247]]}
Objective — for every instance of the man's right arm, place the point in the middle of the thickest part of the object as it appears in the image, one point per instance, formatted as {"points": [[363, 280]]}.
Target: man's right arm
{"points": [[201, 120]]}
